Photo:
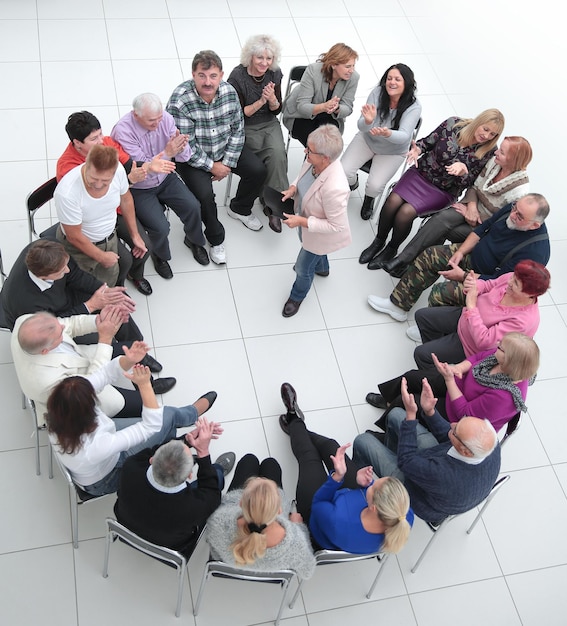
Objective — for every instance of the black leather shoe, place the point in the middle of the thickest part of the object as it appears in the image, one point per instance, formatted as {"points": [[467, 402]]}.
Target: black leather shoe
{"points": [[367, 208], [274, 223], [291, 307], [376, 400], [379, 261], [210, 396], [289, 398], [162, 267], [395, 267], [285, 421], [372, 250], [324, 274], [149, 361], [199, 253], [163, 385], [142, 285]]}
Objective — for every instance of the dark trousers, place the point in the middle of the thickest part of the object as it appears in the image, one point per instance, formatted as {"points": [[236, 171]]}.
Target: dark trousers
{"points": [[438, 329], [249, 466], [151, 213], [312, 451], [137, 267], [302, 127]]}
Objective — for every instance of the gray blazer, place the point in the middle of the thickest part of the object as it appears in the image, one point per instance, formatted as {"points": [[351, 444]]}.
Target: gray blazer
{"points": [[312, 90]]}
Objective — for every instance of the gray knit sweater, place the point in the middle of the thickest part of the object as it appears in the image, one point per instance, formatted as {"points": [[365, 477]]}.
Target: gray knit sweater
{"points": [[294, 552]]}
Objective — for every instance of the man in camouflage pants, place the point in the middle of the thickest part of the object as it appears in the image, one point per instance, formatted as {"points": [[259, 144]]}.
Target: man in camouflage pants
{"points": [[514, 233]]}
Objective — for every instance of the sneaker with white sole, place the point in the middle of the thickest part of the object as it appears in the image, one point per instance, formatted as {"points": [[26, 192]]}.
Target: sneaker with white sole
{"points": [[250, 221], [218, 254], [413, 333], [384, 305]]}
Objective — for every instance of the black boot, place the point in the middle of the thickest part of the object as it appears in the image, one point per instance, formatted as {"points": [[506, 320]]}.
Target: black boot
{"points": [[372, 250], [367, 208], [396, 267], [386, 255]]}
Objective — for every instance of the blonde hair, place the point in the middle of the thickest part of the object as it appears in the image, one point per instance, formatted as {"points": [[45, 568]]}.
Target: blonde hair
{"points": [[469, 127], [392, 504], [261, 504], [521, 356]]}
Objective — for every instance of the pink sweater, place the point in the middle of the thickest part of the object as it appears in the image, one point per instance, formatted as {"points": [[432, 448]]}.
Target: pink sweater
{"points": [[481, 328]]}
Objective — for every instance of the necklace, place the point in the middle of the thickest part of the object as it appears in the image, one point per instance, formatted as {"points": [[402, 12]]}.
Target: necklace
{"points": [[258, 79], [315, 175]]}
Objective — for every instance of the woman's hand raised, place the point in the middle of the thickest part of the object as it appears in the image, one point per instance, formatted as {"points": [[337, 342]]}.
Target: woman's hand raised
{"points": [[339, 462]]}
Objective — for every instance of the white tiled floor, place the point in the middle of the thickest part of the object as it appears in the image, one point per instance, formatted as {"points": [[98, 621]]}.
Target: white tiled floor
{"points": [[221, 327]]}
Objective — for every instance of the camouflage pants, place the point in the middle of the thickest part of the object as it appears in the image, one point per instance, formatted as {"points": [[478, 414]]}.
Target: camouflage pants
{"points": [[423, 273]]}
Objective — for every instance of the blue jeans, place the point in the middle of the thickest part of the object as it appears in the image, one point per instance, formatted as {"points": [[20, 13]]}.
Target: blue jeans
{"points": [[425, 439], [367, 450], [173, 418], [305, 267]]}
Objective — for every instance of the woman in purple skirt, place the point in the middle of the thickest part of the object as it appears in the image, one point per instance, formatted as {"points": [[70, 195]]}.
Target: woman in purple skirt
{"points": [[446, 162]]}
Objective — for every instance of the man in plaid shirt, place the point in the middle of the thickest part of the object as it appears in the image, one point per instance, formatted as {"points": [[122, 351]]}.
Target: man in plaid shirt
{"points": [[208, 111]]}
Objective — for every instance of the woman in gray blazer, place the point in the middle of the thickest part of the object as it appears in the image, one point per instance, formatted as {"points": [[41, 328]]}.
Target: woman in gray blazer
{"points": [[325, 94]]}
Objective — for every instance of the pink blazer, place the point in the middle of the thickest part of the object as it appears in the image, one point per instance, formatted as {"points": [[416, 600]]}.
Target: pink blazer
{"points": [[325, 207]]}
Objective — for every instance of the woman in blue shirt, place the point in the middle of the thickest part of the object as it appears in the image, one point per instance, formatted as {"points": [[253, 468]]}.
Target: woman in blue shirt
{"points": [[345, 509]]}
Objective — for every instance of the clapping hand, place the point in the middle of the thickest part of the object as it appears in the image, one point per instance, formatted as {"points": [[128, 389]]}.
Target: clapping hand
{"points": [[364, 476], [409, 401], [136, 352], [428, 399], [140, 375], [368, 113], [339, 462]]}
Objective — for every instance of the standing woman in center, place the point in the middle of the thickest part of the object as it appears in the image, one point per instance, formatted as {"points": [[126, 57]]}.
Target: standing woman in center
{"points": [[385, 127], [258, 83], [320, 194], [325, 94]]}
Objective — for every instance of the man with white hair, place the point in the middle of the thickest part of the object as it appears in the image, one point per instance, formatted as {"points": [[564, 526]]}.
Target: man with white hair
{"points": [[449, 477], [144, 132]]}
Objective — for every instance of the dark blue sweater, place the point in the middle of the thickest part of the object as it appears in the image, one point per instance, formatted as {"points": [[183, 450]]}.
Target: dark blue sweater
{"points": [[440, 485]]}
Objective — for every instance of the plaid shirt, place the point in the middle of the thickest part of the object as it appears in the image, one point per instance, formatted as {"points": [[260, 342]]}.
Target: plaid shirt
{"points": [[216, 130]]}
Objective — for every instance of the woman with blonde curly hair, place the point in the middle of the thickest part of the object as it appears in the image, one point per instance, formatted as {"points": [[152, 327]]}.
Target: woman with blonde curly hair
{"points": [[258, 81], [251, 529], [325, 94]]}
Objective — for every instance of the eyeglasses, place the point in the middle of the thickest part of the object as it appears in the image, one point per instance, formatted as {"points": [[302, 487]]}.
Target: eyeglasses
{"points": [[519, 216], [453, 431], [308, 151], [499, 347]]}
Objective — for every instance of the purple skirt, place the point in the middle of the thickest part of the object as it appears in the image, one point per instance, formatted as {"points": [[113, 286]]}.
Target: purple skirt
{"points": [[422, 195]]}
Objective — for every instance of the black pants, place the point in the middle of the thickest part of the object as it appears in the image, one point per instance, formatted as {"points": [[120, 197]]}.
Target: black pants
{"points": [[311, 451], [250, 466], [303, 127]]}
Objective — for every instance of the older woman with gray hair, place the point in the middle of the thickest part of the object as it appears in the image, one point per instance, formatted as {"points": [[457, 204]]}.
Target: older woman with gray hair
{"points": [[320, 194], [257, 81]]}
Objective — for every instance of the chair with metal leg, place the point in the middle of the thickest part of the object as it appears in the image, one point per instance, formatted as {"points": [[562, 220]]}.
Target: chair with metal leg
{"points": [[219, 569], [77, 497], [329, 557], [295, 76], [35, 200], [170, 557]]}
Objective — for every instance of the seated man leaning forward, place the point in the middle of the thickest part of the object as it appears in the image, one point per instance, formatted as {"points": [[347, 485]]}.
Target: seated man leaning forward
{"points": [[142, 132], [494, 248], [45, 278], [44, 353], [207, 110], [84, 132], [86, 199], [156, 499], [449, 478]]}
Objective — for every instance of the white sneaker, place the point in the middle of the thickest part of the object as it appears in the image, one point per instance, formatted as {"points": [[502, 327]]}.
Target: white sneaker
{"points": [[413, 333], [250, 221], [384, 305], [218, 254]]}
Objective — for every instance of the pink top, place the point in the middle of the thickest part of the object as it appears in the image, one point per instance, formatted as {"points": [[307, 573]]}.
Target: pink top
{"points": [[482, 328]]}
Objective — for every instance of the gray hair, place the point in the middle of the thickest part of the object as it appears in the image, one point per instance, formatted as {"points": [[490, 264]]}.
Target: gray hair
{"points": [[484, 440], [327, 141], [542, 207], [206, 58], [257, 44], [34, 332], [147, 102], [171, 465]]}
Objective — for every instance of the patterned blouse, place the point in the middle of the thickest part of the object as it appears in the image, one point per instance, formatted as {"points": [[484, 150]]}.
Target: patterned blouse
{"points": [[440, 149]]}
